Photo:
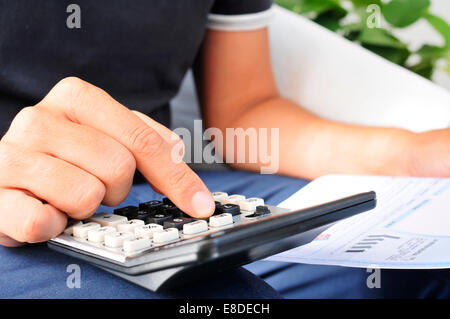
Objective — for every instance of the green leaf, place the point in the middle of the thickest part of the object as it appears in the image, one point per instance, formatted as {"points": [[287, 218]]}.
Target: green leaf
{"points": [[447, 68], [402, 13], [432, 52], [380, 37], [365, 3], [383, 43], [440, 26], [360, 7], [352, 35], [351, 27], [311, 7], [399, 13], [424, 69], [429, 55], [293, 5], [319, 6], [351, 31], [395, 55], [330, 19]]}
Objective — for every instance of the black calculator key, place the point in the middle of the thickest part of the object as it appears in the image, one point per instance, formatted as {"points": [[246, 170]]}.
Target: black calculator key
{"points": [[130, 212], [158, 218], [170, 210], [217, 211], [232, 209], [261, 211], [151, 206], [177, 222], [142, 215], [167, 201]]}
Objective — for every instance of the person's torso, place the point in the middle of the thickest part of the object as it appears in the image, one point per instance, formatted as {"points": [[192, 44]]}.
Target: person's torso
{"points": [[138, 51]]}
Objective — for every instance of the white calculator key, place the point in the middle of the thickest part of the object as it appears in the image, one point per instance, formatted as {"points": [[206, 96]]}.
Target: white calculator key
{"points": [[233, 199], [195, 227], [250, 204], [166, 235], [116, 240], [69, 230], [81, 231], [221, 220], [219, 196], [130, 225], [98, 235], [106, 219], [139, 243], [147, 230]]}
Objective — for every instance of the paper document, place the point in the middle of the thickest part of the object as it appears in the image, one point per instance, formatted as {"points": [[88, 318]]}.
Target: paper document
{"points": [[409, 228]]}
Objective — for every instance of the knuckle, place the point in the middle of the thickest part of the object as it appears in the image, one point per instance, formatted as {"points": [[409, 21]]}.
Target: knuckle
{"points": [[70, 83], [90, 199], [68, 92], [29, 128], [33, 229], [124, 168], [180, 177], [6, 154], [9, 159], [29, 118], [146, 141]]}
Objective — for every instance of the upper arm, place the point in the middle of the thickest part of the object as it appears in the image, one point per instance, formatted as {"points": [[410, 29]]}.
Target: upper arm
{"points": [[233, 73]]}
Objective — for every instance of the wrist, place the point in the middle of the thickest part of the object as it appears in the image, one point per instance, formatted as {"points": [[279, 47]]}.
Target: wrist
{"points": [[391, 152], [429, 154]]}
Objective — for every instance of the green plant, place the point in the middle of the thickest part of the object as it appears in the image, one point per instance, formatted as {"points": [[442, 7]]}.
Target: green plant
{"points": [[334, 15]]}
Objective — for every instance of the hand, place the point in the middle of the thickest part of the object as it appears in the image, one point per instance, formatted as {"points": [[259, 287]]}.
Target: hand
{"points": [[78, 148], [430, 155]]}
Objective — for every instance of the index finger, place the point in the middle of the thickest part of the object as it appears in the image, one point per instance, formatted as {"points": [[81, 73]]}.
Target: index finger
{"points": [[88, 105]]}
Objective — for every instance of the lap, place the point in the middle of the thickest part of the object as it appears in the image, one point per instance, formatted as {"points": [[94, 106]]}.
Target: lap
{"points": [[34, 271]]}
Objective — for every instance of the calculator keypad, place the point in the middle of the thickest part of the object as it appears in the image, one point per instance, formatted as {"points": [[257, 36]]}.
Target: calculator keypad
{"points": [[106, 219], [233, 199], [136, 244], [151, 206], [219, 196], [130, 225], [132, 230], [158, 218], [116, 239], [147, 230], [69, 229], [130, 212], [232, 209], [81, 231], [250, 204], [199, 226], [165, 236], [98, 235], [221, 220], [177, 222]]}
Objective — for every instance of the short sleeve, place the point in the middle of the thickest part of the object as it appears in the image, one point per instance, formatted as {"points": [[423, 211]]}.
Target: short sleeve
{"points": [[240, 15]]}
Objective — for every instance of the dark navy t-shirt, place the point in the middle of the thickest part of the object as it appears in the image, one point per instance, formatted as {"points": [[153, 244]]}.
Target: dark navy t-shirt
{"points": [[138, 51]]}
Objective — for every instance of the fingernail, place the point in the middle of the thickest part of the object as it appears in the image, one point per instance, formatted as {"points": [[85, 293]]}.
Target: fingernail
{"points": [[203, 204]]}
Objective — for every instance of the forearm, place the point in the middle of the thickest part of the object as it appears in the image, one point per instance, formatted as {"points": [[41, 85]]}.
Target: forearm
{"points": [[309, 146], [237, 89]]}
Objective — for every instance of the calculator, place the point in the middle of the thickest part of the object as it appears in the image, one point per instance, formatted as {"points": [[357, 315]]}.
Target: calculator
{"points": [[157, 246]]}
